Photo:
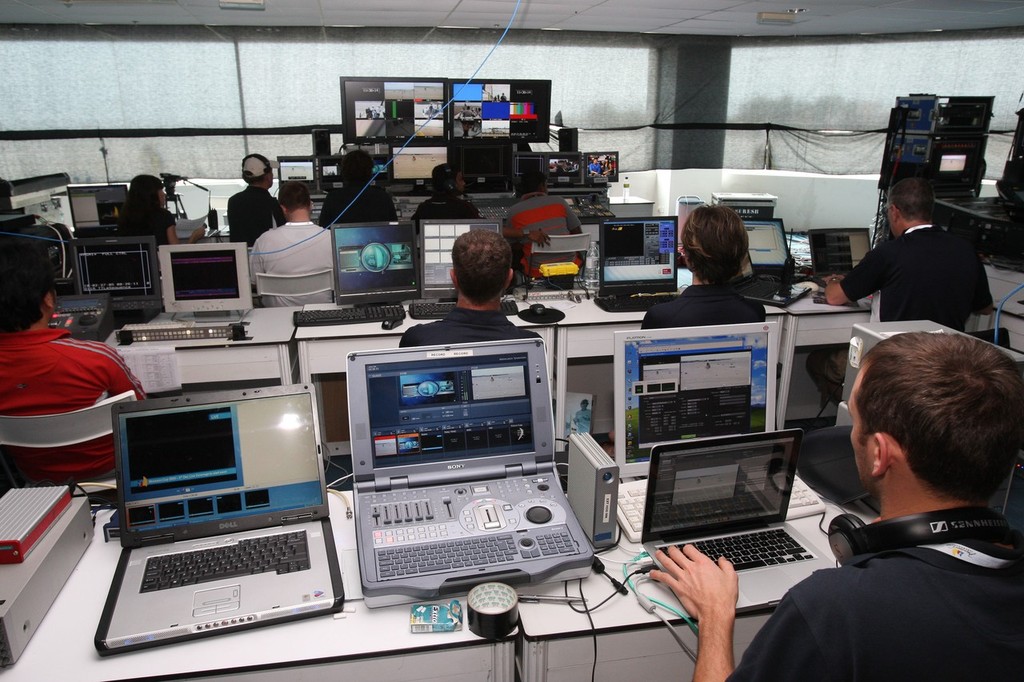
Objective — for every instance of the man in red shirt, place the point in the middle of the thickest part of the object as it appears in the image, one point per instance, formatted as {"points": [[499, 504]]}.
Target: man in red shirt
{"points": [[45, 371], [534, 218]]}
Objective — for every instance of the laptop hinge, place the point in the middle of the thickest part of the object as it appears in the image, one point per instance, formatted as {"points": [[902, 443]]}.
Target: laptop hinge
{"points": [[157, 539], [520, 470], [396, 483]]}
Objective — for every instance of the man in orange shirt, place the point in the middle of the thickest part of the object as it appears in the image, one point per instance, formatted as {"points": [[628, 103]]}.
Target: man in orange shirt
{"points": [[536, 216]]}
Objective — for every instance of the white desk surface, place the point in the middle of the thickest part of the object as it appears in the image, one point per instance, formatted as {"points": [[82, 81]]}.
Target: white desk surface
{"points": [[62, 648]]}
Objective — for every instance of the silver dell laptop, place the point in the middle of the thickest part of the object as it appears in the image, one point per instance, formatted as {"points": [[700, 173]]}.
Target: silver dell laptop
{"points": [[223, 517]]}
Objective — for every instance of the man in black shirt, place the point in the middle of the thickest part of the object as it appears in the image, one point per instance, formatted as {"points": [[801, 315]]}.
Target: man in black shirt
{"points": [[447, 201], [253, 211]]}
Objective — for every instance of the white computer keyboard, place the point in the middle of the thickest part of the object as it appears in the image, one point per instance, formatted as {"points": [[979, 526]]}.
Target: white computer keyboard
{"points": [[802, 502]]}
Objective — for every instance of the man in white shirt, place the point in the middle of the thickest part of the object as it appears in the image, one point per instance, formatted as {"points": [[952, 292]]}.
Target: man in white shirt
{"points": [[298, 247]]}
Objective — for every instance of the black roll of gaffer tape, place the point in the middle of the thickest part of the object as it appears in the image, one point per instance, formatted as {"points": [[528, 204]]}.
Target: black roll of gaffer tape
{"points": [[493, 610]]}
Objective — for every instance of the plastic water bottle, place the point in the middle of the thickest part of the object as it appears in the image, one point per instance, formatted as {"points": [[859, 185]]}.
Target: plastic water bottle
{"points": [[625, 187], [590, 280]]}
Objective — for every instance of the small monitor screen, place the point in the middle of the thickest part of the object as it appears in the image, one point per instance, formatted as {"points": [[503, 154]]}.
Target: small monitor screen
{"points": [[298, 169], [517, 111], [602, 167], [564, 168], [638, 256], [96, 205], [124, 267], [415, 164], [483, 161], [205, 278], [438, 237], [329, 172], [691, 382], [952, 163], [375, 263], [526, 162], [767, 246], [386, 109], [957, 166], [838, 251]]}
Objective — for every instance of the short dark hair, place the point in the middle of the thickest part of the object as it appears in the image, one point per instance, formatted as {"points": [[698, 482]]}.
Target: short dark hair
{"points": [[292, 195], [356, 167], [715, 242], [532, 181], [914, 198], [443, 178], [27, 277], [954, 404], [481, 260]]}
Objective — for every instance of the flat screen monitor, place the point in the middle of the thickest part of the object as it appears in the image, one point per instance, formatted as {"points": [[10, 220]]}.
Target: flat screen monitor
{"points": [[328, 172], [124, 267], [481, 163], [527, 162], [956, 166], [375, 263], [513, 110], [601, 167], [415, 164], [96, 206], [564, 169], [837, 251], [393, 109], [691, 382], [298, 169], [436, 240], [638, 256], [767, 249], [205, 279]]}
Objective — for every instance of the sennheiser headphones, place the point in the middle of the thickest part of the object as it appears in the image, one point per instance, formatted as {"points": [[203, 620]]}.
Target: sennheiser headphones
{"points": [[849, 536]]}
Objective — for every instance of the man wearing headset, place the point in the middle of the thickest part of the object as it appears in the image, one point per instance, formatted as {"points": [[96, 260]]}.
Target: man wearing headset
{"points": [[446, 201], [934, 588], [253, 211]]}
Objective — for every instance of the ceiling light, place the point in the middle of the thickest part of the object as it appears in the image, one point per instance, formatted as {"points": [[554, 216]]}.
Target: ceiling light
{"points": [[242, 4]]}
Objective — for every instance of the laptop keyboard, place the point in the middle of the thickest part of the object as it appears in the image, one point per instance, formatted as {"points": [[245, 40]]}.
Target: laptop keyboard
{"points": [[282, 553], [758, 288], [434, 557], [802, 502], [754, 550]]}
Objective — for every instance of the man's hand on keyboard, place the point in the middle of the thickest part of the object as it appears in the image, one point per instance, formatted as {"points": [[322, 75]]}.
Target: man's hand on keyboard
{"points": [[706, 589]]}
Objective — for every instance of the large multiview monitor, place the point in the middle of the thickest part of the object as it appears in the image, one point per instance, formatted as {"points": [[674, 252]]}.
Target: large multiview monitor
{"points": [[513, 110], [209, 280], [393, 109], [96, 209], [638, 256], [124, 267], [436, 240], [375, 263], [691, 382]]}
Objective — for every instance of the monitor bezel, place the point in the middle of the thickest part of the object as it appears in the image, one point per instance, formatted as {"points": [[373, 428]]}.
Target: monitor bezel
{"points": [[669, 285], [428, 291], [242, 302], [600, 179], [630, 469], [345, 295], [349, 87], [121, 301]]}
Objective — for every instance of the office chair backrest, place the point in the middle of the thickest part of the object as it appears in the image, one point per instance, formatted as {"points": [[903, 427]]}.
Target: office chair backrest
{"points": [[62, 429], [295, 285], [570, 248]]}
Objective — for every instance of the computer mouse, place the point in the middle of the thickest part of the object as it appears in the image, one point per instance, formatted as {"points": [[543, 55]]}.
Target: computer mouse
{"points": [[392, 323], [87, 319], [538, 309], [810, 286]]}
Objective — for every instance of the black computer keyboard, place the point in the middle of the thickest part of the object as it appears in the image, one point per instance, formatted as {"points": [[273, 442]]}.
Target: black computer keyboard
{"points": [[630, 304], [435, 310], [327, 316], [753, 550], [758, 288]]}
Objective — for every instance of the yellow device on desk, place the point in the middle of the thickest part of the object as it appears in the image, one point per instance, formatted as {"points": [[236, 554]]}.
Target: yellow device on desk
{"points": [[555, 269]]}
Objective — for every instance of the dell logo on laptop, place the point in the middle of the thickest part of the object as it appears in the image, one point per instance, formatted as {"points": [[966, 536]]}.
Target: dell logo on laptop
{"points": [[227, 524]]}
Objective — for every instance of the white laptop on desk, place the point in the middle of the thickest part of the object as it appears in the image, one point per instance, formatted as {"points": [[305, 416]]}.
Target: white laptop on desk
{"points": [[223, 517], [706, 490]]}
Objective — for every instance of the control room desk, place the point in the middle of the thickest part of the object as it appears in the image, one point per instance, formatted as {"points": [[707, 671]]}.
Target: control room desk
{"points": [[358, 644]]}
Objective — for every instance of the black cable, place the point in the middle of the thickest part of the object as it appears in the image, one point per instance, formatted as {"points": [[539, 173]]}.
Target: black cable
{"points": [[598, 567]]}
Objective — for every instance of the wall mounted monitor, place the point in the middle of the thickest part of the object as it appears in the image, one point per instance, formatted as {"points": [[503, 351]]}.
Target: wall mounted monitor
{"points": [[205, 279], [123, 267], [513, 110], [415, 164], [328, 172], [600, 168], [691, 382], [638, 256], [298, 169], [564, 169], [393, 109], [375, 263], [482, 162], [96, 207], [436, 240]]}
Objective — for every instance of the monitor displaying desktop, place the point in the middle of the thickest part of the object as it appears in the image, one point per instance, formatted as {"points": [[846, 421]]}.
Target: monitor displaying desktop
{"points": [[638, 256], [298, 169], [124, 267], [205, 279], [564, 169], [436, 240], [393, 109], [513, 110], [375, 263], [691, 382], [415, 164], [94, 207], [601, 167]]}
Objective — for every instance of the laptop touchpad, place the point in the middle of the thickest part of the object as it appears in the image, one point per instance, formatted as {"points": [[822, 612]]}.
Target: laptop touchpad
{"points": [[217, 600]]}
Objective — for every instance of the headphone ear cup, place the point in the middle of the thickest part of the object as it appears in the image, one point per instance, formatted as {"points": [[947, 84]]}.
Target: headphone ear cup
{"points": [[846, 537], [449, 179]]}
